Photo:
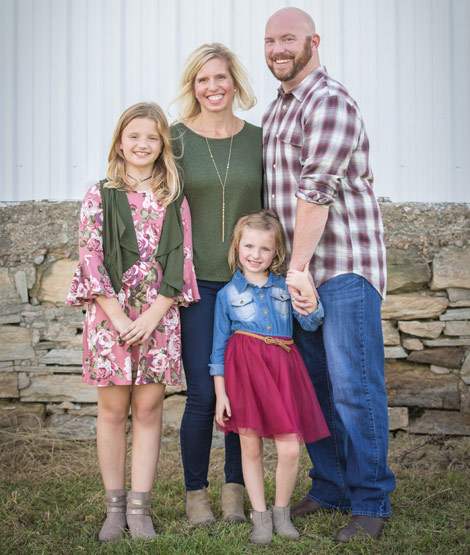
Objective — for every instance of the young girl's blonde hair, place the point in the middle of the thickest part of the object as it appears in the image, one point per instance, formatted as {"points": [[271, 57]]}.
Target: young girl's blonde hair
{"points": [[165, 181], [265, 220], [189, 107]]}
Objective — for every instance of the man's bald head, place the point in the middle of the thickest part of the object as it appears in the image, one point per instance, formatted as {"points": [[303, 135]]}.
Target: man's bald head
{"points": [[294, 16], [291, 46]]}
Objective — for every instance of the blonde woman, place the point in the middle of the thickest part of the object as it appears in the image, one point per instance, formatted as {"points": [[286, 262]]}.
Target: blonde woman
{"points": [[135, 268], [222, 171]]}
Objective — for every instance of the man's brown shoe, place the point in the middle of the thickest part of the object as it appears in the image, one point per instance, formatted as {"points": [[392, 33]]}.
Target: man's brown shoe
{"points": [[305, 507], [360, 526]]}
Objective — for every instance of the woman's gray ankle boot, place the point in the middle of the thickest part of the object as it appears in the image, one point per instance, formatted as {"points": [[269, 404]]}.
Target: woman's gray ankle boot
{"points": [[198, 507]]}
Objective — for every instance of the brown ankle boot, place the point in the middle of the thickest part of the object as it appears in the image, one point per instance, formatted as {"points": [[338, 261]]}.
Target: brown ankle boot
{"points": [[138, 515], [198, 508], [231, 502], [115, 523]]}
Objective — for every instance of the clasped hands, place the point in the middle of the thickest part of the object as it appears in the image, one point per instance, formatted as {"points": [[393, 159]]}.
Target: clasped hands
{"points": [[302, 290], [135, 332]]}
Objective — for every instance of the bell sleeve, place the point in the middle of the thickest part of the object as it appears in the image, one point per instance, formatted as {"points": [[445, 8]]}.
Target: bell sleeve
{"points": [[91, 278], [190, 292]]}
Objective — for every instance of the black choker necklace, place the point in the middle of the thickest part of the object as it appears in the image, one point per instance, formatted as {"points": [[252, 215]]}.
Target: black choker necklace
{"points": [[139, 181]]}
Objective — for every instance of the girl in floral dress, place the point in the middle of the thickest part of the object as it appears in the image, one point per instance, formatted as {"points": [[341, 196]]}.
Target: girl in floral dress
{"points": [[135, 268]]}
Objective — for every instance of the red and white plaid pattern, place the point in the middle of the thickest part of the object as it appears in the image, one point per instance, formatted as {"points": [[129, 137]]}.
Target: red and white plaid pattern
{"points": [[316, 149]]}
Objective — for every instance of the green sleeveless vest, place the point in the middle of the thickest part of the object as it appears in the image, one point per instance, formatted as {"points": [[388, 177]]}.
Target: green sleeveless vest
{"points": [[120, 247]]}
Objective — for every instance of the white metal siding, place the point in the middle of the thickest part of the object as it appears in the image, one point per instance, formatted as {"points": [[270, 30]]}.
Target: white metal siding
{"points": [[70, 67]]}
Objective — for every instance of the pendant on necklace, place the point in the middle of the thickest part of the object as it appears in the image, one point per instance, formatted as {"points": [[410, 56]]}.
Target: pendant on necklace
{"points": [[224, 182]]}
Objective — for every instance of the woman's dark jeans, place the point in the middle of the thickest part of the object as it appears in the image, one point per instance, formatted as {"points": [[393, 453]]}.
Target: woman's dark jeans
{"points": [[197, 322]]}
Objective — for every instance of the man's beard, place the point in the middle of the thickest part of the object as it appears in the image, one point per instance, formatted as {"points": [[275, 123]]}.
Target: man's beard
{"points": [[298, 64]]}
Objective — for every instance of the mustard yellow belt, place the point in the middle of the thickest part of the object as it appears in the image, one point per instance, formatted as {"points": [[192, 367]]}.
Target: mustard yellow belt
{"points": [[283, 343]]}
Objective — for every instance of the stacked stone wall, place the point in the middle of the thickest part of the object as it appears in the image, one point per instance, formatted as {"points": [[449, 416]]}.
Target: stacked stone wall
{"points": [[426, 320]]}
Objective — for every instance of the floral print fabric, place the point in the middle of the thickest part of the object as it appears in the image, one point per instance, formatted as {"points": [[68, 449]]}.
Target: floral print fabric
{"points": [[107, 359]]}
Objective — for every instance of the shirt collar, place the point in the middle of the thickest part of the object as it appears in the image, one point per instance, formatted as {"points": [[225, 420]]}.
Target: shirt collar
{"points": [[305, 86], [241, 283]]}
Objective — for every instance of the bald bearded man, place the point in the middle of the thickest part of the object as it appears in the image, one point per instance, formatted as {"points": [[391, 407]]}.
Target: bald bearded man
{"points": [[319, 181]]}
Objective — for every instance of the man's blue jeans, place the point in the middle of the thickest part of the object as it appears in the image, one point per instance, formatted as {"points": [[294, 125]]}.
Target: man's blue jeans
{"points": [[345, 361]]}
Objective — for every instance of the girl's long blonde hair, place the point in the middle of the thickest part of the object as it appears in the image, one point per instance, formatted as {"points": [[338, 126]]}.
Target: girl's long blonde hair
{"points": [[165, 181], [189, 107], [265, 220]]}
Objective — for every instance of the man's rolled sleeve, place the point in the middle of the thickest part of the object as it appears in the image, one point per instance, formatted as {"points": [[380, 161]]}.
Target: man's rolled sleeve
{"points": [[330, 134]]}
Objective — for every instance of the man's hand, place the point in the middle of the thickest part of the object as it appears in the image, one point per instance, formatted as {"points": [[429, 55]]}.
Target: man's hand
{"points": [[301, 280], [302, 290], [310, 221], [299, 303]]}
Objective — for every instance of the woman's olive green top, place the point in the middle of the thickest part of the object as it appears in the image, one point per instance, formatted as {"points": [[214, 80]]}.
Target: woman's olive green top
{"points": [[203, 190]]}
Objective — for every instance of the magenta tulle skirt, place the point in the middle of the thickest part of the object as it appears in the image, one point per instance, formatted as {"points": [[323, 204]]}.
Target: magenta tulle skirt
{"points": [[270, 392]]}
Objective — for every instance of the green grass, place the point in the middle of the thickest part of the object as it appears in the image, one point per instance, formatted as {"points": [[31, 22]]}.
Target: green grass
{"points": [[51, 501]]}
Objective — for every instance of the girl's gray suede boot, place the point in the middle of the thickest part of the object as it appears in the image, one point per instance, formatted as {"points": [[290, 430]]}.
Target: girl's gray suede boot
{"points": [[139, 519], [115, 523], [282, 523], [262, 531]]}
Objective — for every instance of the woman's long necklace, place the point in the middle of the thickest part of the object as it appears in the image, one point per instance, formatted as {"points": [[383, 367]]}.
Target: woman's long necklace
{"points": [[222, 183]]}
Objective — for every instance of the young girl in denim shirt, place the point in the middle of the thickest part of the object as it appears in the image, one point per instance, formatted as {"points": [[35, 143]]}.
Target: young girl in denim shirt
{"points": [[261, 383]]}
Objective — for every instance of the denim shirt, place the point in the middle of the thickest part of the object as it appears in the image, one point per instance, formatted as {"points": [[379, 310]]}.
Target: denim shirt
{"points": [[265, 310]]}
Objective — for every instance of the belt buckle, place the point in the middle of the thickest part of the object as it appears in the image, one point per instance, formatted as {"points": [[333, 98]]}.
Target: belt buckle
{"points": [[268, 339]]}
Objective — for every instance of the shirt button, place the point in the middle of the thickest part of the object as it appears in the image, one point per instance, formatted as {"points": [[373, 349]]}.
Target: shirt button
{"points": [[268, 327], [262, 296], [273, 196], [277, 136], [265, 311], [284, 107], [274, 165]]}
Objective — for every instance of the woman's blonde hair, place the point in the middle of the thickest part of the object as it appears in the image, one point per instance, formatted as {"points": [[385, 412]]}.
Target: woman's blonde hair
{"points": [[266, 220], [189, 107], [165, 181]]}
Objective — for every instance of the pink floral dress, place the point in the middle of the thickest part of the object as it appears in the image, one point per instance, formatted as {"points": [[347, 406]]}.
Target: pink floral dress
{"points": [[107, 359]]}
